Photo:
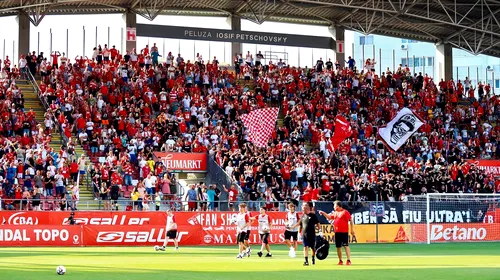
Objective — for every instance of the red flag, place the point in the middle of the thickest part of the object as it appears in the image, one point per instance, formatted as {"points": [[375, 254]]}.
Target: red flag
{"points": [[260, 125], [342, 131]]}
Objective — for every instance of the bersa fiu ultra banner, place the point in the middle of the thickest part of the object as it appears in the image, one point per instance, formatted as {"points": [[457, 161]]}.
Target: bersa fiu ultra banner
{"points": [[413, 212]]}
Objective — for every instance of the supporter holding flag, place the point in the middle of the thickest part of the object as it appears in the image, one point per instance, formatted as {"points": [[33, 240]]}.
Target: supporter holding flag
{"points": [[260, 125], [342, 131], [400, 128]]}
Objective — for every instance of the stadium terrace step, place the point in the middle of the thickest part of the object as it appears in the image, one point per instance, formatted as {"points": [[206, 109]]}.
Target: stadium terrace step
{"points": [[33, 102]]}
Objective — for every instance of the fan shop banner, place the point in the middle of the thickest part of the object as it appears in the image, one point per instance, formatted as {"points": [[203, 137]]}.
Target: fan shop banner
{"points": [[490, 166], [17, 236], [194, 162], [457, 232], [218, 227], [395, 233], [414, 212]]}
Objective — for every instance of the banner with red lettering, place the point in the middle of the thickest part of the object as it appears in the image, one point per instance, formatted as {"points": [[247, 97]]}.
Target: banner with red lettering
{"points": [[490, 166], [194, 228], [183, 161], [40, 236], [147, 228], [99, 218], [218, 227], [456, 232], [138, 235]]}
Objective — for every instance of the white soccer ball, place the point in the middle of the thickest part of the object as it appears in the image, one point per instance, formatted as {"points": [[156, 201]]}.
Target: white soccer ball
{"points": [[157, 247], [60, 270], [291, 254]]}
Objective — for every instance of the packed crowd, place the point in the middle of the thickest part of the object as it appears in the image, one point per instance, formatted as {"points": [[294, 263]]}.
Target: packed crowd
{"points": [[29, 168], [123, 107]]}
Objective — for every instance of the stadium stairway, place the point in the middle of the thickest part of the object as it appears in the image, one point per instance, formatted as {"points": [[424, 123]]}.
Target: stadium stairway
{"points": [[31, 100]]}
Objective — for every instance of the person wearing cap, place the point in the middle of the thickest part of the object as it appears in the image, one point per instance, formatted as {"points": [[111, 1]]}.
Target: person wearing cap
{"points": [[71, 220]]}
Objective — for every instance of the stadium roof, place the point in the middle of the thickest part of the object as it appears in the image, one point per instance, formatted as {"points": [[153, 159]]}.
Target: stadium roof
{"points": [[471, 25]]}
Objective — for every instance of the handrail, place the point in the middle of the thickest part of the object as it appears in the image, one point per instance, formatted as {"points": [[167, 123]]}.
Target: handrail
{"points": [[43, 100]]}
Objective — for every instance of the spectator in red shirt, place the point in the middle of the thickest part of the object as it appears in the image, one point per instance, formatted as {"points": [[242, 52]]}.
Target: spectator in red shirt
{"points": [[341, 222]]}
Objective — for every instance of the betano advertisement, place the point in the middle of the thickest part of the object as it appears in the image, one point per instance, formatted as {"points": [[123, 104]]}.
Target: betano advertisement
{"points": [[200, 228]]}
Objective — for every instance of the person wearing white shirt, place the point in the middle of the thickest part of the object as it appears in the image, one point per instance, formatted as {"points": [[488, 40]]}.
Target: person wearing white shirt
{"points": [[170, 143], [148, 184], [186, 102], [142, 163], [229, 169], [242, 225], [300, 174]]}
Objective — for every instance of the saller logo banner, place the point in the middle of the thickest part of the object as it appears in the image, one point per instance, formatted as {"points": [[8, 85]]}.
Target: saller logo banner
{"points": [[399, 129]]}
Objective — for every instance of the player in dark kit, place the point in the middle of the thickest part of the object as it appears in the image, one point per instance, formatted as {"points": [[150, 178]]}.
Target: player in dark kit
{"points": [[341, 221], [309, 223]]}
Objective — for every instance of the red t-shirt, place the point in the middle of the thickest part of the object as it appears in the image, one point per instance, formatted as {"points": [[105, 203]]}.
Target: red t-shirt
{"points": [[55, 58], [232, 195], [341, 220]]}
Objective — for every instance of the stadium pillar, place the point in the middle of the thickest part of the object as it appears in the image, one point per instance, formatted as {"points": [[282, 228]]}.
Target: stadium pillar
{"points": [[338, 34], [444, 62], [235, 23], [23, 38], [130, 19]]}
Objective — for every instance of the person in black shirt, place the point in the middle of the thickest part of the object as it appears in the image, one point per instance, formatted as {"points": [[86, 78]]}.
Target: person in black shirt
{"points": [[308, 225], [253, 196], [319, 65], [279, 198], [329, 64], [71, 220]]}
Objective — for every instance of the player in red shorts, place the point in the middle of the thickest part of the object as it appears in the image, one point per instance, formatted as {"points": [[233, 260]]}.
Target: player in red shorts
{"points": [[341, 220]]}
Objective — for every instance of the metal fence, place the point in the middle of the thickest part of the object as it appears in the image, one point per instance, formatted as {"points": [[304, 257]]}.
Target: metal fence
{"points": [[450, 209], [216, 175]]}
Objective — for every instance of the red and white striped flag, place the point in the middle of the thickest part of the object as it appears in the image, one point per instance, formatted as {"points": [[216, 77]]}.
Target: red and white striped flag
{"points": [[260, 125]]}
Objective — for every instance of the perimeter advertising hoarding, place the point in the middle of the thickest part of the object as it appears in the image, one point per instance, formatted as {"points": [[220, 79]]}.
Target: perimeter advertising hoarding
{"points": [[412, 212], [223, 35], [201, 228], [394, 233]]}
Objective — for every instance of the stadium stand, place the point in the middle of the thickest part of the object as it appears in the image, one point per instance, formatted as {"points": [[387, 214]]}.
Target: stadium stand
{"points": [[119, 109]]}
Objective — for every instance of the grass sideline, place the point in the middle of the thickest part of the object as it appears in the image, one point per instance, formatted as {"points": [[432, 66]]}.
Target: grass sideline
{"points": [[370, 261]]}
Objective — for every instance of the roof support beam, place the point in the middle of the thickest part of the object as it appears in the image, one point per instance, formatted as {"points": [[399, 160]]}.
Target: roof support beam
{"points": [[414, 15]]}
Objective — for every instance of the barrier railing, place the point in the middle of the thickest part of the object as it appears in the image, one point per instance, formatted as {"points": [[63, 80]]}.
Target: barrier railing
{"points": [[181, 203], [171, 202], [43, 101]]}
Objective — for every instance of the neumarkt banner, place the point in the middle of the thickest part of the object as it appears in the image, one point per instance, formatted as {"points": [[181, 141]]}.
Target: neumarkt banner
{"points": [[222, 35]]}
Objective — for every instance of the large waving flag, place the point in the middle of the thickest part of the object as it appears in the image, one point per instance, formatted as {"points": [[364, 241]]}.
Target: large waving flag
{"points": [[342, 131], [399, 129], [260, 125]]}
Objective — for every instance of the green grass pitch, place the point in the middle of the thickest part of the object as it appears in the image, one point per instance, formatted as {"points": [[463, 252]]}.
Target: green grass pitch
{"points": [[370, 261]]}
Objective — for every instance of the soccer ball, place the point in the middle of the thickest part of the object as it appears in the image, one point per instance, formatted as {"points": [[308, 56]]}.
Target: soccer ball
{"points": [[60, 270], [157, 247]]}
